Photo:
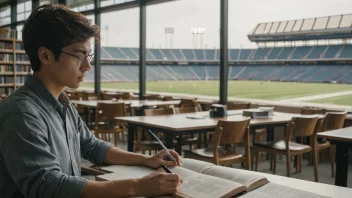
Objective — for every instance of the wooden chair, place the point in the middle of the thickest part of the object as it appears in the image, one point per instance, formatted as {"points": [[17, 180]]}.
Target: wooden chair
{"points": [[332, 121], [311, 111], [221, 152], [156, 112], [126, 96], [186, 110], [301, 126], [237, 106], [149, 144], [110, 96], [152, 97], [105, 123]]}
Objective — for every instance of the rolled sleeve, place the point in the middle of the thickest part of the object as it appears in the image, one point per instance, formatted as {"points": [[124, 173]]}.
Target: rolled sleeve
{"points": [[31, 165], [92, 148]]}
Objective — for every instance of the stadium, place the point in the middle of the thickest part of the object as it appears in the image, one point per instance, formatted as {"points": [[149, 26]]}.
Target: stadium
{"points": [[294, 59]]}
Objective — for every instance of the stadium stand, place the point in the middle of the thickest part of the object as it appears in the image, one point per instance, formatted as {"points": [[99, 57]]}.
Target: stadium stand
{"points": [[308, 63]]}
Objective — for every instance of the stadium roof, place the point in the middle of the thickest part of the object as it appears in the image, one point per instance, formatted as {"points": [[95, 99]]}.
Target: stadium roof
{"points": [[329, 27]]}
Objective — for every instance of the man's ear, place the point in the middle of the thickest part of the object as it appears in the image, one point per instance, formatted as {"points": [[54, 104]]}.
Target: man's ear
{"points": [[45, 55]]}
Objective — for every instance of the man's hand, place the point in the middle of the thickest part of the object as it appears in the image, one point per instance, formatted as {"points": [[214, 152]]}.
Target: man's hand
{"points": [[158, 183], [161, 158]]}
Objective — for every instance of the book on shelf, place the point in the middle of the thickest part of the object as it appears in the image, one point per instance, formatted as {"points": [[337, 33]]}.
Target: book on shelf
{"points": [[200, 179]]}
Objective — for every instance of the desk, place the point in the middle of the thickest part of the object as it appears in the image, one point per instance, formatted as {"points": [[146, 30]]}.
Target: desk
{"points": [[132, 103], [179, 124], [343, 140], [313, 187]]}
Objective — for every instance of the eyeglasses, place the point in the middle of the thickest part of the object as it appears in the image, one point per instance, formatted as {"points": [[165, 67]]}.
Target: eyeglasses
{"points": [[80, 58]]}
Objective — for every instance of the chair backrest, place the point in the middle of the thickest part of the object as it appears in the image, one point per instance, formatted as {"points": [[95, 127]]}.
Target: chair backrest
{"points": [[108, 111], [169, 98], [302, 126], [152, 97], [311, 111], [126, 96], [156, 112], [236, 106], [187, 110], [74, 97], [109, 96], [333, 121], [188, 103], [232, 132]]}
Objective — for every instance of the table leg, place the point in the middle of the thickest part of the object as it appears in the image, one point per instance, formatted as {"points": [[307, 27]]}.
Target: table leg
{"points": [[341, 164], [130, 143], [169, 142]]}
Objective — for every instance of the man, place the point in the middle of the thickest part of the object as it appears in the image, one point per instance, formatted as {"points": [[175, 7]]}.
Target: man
{"points": [[42, 137]]}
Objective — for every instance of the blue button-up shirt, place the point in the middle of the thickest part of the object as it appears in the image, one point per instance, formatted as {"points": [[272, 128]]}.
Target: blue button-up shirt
{"points": [[42, 140]]}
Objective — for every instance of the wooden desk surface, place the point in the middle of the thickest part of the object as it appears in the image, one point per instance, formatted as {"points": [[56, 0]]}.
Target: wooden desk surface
{"points": [[182, 122], [344, 134], [133, 103], [313, 187]]}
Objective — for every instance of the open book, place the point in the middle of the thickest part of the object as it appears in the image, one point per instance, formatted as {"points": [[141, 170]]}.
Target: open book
{"points": [[200, 179]]}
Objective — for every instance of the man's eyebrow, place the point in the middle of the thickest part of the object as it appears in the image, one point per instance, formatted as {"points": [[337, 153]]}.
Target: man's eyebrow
{"points": [[82, 51]]}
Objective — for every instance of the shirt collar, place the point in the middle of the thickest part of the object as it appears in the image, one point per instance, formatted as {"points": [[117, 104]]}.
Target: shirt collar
{"points": [[35, 85]]}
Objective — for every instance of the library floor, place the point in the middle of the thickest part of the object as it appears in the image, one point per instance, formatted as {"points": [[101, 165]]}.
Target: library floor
{"points": [[324, 169]]}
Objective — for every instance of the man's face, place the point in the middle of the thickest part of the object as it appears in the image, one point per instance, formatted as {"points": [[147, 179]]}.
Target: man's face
{"points": [[70, 69]]}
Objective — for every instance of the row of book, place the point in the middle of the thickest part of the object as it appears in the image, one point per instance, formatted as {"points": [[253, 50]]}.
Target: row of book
{"points": [[22, 58], [23, 68], [20, 79], [6, 80], [6, 45], [19, 46], [6, 90], [6, 57], [6, 68]]}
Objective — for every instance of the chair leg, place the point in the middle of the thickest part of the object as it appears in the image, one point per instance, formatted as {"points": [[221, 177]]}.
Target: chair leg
{"points": [[271, 161], [315, 163], [274, 165], [332, 162], [256, 160], [297, 163], [116, 137], [288, 165]]}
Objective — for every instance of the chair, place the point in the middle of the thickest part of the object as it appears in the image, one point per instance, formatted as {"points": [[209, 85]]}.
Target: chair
{"points": [[126, 96], [150, 144], [332, 121], [105, 123], [301, 126], [152, 97], [221, 152], [156, 112], [237, 106], [186, 110], [311, 111]]}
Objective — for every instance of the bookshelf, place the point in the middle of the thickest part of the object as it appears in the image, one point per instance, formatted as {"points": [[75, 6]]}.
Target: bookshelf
{"points": [[14, 65]]}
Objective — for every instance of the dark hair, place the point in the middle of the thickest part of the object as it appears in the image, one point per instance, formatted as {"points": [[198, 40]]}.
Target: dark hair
{"points": [[54, 27]]}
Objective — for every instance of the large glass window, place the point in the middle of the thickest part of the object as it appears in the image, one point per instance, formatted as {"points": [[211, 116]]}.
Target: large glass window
{"points": [[24, 9], [5, 15]]}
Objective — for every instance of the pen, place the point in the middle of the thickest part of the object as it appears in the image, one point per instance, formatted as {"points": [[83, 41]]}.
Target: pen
{"points": [[166, 169], [162, 145]]}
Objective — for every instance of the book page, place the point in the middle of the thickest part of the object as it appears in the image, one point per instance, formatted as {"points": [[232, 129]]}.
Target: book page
{"points": [[194, 184], [251, 181], [205, 186], [272, 190], [129, 171]]}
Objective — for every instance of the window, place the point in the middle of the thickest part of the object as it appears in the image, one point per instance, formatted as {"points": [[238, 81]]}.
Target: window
{"points": [[5, 15], [80, 5], [24, 9]]}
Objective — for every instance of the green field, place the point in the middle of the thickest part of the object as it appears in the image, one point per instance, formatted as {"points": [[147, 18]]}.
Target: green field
{"points": [[244, 89]]}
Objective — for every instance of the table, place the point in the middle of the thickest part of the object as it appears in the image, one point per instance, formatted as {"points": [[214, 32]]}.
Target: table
{"points": [[181, 124], [343, 140], [313, 187], [132, 103]]}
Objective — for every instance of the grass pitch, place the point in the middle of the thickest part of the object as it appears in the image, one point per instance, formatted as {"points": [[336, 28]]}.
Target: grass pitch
{"points": [[244, 89]]}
